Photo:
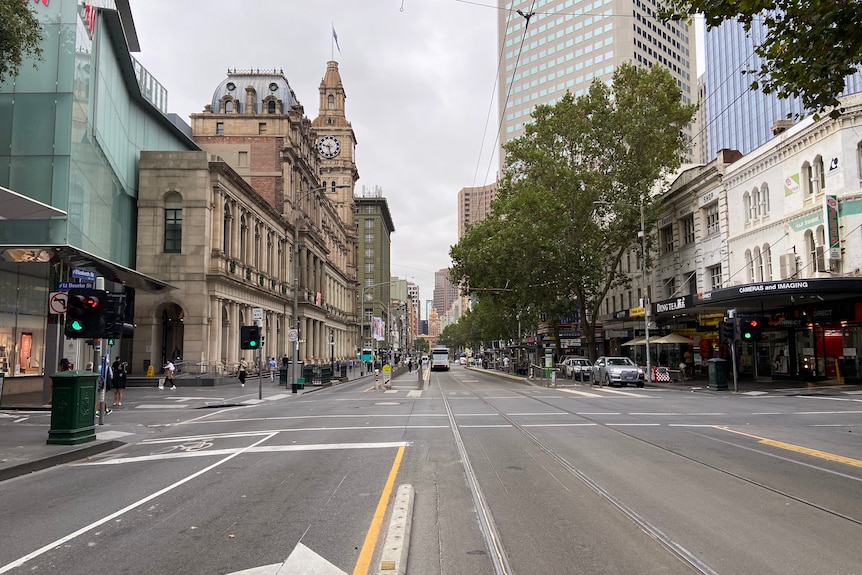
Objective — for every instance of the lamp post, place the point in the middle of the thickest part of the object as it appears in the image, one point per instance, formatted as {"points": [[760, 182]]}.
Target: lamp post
{"points": [[297, 214], [646, 302], [362, 322]]}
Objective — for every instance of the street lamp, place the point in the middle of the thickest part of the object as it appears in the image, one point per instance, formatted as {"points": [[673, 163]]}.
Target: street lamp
{"points": [[362, 322], [645, 303], [297, 214]]}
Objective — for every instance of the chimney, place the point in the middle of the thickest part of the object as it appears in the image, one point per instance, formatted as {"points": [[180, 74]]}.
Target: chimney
{"points": [[781, 126]]}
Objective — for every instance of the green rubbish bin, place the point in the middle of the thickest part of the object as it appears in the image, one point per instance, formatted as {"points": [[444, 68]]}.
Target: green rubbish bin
{"points": [[73, 407], [2, 375], [300, 382], [717, 374], [282, 375]]}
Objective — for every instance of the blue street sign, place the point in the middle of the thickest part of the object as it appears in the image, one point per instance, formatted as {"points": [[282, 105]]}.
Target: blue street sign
{"points": [[83, 274], [66, 286]]}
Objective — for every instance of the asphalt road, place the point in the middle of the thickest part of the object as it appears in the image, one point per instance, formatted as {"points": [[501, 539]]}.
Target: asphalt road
{"points": [[508, 479]]}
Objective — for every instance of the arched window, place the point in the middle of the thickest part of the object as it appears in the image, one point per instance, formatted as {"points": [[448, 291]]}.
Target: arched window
{"points": [[746, 205], [758, 265], [764, 200], [226, 230], [330, 102], [333, 187], [749, 265], [228, 106], [819, 175], [173, 223], [767, 258], [807, 180], [270, 107], [755, 204], [811, 251]]}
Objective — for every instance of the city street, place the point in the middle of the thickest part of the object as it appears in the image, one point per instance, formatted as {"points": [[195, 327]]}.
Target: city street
{"points": [[507, 478]]}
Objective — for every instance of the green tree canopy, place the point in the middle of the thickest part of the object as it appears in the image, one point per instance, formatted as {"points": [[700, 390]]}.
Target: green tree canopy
{"points": [[20, 36], [810, 47], [570, 198]]}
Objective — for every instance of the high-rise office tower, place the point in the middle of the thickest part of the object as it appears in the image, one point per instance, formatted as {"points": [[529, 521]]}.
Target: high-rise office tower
{"points": [[474, 205], [737, 117], [550, 47]]}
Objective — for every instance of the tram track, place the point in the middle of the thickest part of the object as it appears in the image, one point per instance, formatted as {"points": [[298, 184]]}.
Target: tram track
{"points": [[495, 543]]}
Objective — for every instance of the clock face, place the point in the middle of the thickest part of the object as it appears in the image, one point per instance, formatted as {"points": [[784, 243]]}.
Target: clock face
{"points": [[328, 146]]}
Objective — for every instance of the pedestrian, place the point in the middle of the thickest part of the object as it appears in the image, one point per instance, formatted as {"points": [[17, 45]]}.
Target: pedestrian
{"points": [[119, 380], [377, 386], [169, 376], [410, 365], [284, 361], [65, 365], [104, 384], [350, 365], [506, 363], [273, 365], [242, 372], [688, 359]]}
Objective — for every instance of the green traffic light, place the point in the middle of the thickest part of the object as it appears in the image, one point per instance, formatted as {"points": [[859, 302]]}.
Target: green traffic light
{"points": [[253, 343], [76, 325]]}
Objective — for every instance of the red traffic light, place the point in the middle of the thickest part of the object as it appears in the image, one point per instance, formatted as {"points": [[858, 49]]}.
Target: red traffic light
{"points": [[753, 323], [90, 302]]}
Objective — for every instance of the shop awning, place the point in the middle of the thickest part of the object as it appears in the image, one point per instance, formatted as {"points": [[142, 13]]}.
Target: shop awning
{"points": [[671, 338], [636, 341]]}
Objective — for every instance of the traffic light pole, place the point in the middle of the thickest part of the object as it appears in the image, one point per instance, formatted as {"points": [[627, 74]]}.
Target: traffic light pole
{"points": [[733, 354]]}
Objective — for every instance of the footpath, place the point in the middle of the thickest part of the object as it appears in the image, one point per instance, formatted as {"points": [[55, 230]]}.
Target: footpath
{"points": [[25, 421]]}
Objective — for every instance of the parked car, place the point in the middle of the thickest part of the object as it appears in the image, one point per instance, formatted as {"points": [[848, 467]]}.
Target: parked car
{"points": [[617, 370], [578, 368]]}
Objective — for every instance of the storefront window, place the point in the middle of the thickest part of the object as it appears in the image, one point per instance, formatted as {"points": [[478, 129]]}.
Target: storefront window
{"points": [[23, 309]]}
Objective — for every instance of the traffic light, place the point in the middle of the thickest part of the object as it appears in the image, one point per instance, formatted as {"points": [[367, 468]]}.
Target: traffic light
{"points": [[750, 330], [726, 331], [249, 337], [86, 313]]}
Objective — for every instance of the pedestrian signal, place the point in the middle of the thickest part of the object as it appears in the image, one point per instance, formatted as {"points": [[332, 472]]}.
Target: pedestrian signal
{"points": [[249, 337]]}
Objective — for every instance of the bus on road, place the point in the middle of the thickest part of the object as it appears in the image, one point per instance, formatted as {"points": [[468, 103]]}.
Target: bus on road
{"points": [[440, 358]]}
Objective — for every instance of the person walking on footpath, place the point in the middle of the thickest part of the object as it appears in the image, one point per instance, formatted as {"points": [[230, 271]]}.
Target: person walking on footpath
{"points": [[169, 376], [506, 363], [410, 365], [242, 372], [119, 380], [273, 365]]}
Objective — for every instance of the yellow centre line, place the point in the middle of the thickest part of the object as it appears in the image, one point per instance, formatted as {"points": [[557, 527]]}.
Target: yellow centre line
{"points": [[798, 448], [363, 562]]}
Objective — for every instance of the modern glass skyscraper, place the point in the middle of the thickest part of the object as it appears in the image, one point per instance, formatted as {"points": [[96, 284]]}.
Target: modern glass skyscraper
{"points": [[549, 47], [737, 117]]}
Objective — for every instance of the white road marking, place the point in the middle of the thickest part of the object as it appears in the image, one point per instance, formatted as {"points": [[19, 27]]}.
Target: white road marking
{"points": [[228, 451], [102, 435], [162, 406], [87, 528], [581, 393], [301, 560], [414, 393]]}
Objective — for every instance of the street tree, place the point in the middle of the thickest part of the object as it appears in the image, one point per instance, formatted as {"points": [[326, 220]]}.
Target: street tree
{"points": [[20, 37], [810, 46], [571, 197]]}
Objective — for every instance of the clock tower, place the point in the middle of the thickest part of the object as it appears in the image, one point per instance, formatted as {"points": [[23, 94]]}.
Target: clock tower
{"points": [[336, 144]]}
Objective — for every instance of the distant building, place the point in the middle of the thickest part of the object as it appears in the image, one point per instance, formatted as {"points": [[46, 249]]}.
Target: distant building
{"points": [[375, 228], [444, 292], [474, 205]]}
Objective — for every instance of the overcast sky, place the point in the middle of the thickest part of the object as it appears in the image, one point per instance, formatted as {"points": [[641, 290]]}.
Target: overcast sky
{"points": [[419, 77]]}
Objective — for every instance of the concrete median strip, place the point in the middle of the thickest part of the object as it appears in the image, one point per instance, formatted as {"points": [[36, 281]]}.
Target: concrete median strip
{"points": [[393, 558]]}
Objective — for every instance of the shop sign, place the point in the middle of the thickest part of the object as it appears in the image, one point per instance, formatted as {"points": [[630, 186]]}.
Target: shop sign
{"points": [[830, 211]]}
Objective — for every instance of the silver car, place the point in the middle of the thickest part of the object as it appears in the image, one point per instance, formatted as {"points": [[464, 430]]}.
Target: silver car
{"points": [[617, 370], [578, 368]]}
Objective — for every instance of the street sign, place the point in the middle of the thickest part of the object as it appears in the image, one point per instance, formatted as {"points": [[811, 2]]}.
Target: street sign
{"points": [[57, 302], [83, 274], [292, 335], [257, 314], [66, 286]]}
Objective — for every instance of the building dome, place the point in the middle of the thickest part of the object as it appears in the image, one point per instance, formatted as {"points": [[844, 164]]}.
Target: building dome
{"points": [[254, 87]]}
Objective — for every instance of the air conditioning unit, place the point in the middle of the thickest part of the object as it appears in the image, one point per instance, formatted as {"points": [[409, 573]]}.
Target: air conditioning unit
{"points": [[822, 265]]}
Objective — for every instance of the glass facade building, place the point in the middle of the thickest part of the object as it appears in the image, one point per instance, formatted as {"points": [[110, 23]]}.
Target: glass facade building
{"points": [[737, 117], [71, 131]]}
